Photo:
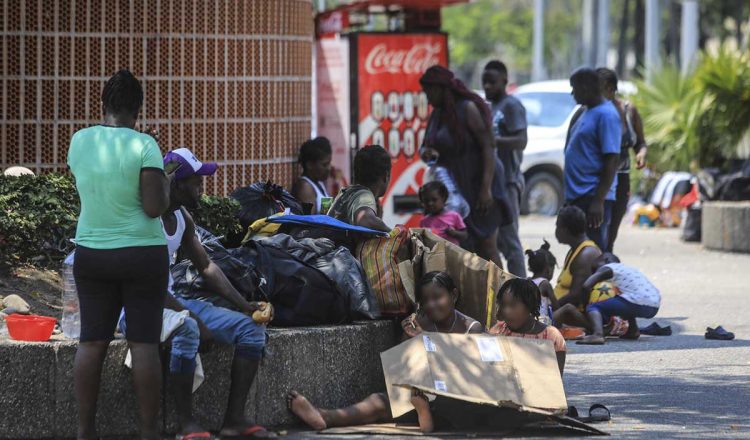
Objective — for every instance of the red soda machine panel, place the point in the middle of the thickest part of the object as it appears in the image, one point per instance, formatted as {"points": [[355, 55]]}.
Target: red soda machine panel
{"points": [[390, 109]]}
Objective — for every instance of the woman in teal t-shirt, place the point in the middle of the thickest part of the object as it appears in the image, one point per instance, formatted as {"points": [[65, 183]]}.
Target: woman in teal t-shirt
{"points": [[121, 256]]}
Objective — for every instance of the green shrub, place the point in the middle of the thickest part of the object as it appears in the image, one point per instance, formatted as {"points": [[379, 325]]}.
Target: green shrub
{"points": [[38, 217], [218, 216]]}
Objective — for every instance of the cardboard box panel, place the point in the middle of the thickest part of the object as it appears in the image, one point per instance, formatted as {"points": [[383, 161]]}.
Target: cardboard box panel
{"points": [[477, 368], [478, 280]]}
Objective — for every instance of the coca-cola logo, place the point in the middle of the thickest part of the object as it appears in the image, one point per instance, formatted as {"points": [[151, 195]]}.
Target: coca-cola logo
{"points": [[414, 60]]}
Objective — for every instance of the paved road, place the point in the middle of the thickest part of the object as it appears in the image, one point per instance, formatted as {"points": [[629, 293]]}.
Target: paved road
{"points": [[681, 386]]}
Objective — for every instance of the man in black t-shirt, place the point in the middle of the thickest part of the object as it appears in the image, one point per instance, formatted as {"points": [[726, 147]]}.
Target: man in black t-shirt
{"points": [[509, 125]]}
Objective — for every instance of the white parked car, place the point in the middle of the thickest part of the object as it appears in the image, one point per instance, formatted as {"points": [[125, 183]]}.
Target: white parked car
{"points": [[549, 108]]}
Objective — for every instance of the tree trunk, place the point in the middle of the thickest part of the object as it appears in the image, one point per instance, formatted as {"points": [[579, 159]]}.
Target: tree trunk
{"points": [[622, 43], [640, 42], [672, 43], [739, 19]]}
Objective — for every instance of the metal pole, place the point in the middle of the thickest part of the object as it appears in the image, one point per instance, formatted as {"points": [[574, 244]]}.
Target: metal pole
{"points": [[689, 34], [602, 32], [537, 66], [587, 29], [651, 51]]}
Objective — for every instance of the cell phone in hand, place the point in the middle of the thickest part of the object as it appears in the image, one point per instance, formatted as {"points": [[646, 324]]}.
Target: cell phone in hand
{"points": [[172, 167]]}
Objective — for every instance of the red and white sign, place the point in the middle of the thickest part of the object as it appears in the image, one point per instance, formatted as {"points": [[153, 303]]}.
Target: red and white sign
{"points": [[393, 109], [415, 60], [332, 22], [332, 106]]}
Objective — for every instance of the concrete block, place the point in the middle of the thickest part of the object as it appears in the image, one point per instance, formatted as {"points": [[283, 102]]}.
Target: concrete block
{"points": [[334, 366], [117, 409], [210, 401], [726, 226], [66, 409], [27, 389]]}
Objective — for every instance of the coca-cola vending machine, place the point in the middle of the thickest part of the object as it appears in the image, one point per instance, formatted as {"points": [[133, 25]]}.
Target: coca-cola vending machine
{"points": [[369, 93]]}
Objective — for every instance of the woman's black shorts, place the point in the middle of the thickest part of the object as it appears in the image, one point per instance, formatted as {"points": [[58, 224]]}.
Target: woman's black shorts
{"points": [[109, 280]]}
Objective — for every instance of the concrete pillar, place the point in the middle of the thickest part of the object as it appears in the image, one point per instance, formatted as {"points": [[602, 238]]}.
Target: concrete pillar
{"points": [[588, 33], [689, 34], [652, 58], [602, 32], [537, 65]]}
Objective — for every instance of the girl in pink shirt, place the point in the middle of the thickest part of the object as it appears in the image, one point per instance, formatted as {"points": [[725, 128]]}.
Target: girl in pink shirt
{"points": [[446, 224]]}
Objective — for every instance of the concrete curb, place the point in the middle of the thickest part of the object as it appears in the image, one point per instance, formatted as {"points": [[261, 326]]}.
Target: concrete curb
{"points": [[726, 226], [333, 366]]}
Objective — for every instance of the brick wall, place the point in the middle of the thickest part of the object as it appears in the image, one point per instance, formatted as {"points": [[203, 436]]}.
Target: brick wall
{"points": [[230, 79]]}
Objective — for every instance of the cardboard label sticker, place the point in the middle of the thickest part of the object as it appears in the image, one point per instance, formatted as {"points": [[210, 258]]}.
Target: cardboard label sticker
{"points": [[428, 344], [489, 349], [440, 385]]}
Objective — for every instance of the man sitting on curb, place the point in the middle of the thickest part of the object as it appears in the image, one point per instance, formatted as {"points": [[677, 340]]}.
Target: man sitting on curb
{"points": [[206, 323]]}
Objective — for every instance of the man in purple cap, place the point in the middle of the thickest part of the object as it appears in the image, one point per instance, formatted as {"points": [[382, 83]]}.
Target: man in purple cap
{"points": [[206, 322]]}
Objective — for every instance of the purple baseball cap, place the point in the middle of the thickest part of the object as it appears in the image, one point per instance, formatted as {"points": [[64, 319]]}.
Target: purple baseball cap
{"points": [[190, 164]]}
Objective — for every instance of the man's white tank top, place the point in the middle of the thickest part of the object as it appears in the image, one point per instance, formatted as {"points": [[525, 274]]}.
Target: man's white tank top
{"points": [[174, 241]]}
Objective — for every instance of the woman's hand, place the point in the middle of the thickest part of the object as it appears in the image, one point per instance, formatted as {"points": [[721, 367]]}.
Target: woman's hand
{"points": [[151, 131], [595, 214], [428, 154], [411, 326], [640, 159], [485, 201]]}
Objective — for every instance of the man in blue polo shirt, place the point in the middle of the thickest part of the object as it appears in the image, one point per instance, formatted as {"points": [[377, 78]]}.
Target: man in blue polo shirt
{"points": [[592, 152]]}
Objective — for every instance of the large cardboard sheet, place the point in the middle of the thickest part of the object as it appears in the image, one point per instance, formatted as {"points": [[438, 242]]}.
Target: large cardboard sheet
{"points": [[484, 369]]}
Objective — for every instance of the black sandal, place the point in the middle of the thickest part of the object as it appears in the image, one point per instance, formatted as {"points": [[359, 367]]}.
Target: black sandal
{"points": [[592, 418], [718, 334]]}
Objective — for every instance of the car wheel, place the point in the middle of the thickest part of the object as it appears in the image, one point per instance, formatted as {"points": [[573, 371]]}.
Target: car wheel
{"points": [[542, 195]]}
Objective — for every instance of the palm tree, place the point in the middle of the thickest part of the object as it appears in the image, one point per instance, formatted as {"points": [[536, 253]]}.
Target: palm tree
{"points": [[699, 119]]}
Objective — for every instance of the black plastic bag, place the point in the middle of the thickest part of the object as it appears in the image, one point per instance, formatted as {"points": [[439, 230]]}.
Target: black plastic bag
{"points": [[300, 293], [239, 266], [263, 199], [335, 262], [691, 231]]}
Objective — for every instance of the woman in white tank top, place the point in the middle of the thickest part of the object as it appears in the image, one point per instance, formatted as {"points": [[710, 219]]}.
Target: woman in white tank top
{"points": [[315, 158]]}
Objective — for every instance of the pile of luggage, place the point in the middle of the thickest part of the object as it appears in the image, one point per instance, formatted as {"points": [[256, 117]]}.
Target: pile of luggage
{"points": [[316, 270]]}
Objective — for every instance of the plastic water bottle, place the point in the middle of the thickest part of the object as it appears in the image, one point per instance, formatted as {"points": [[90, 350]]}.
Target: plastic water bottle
{"points": [[71, 317]]}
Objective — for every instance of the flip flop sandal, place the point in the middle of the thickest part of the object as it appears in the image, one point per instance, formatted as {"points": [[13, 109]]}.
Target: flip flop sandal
{"points": [[655, 329], [583, 341], [718, 334], [572, 333], [194, 435], [248, 433], [631, 337], [592, 418]]}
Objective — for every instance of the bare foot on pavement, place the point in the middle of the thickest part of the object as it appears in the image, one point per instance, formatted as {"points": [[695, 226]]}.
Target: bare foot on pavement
{"points": [[302, 408]]}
